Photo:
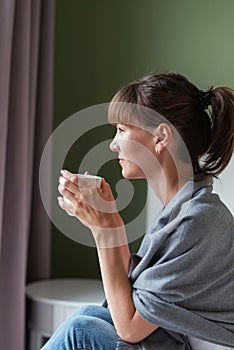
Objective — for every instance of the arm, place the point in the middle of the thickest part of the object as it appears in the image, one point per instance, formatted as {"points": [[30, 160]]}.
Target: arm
{"points": [[129, 325], [113, 253]]}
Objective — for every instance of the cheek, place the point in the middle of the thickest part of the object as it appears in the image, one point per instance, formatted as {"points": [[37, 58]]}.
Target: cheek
{"points": [[138, 152], [131, 147], [131, 170]]}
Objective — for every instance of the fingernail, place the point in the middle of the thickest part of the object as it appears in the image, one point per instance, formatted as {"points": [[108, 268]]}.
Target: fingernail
{"points": [[62, 172]]}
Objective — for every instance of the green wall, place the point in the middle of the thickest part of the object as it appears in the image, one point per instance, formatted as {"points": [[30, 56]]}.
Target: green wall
{"points": [[102, 45], [196, 39]]}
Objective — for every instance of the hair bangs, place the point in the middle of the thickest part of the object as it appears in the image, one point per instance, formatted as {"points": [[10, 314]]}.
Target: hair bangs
{"points": [[121, 108], [121, 113]]}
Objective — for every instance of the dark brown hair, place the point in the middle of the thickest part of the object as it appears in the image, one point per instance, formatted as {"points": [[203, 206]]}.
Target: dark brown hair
{"points": [[207, 133]]}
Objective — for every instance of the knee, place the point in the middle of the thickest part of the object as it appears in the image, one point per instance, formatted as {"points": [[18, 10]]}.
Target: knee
{"points": [[86, 310], [72, 324], [76, 330]]}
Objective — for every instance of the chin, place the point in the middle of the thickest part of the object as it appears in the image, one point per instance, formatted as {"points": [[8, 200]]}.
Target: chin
{"points": [[131, 175], [131, 171]]}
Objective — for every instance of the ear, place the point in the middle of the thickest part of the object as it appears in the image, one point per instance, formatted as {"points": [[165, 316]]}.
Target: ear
{"points": [[162, 137]]}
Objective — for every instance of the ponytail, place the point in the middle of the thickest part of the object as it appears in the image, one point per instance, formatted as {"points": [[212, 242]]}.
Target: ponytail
{"points": [[221, 146]]}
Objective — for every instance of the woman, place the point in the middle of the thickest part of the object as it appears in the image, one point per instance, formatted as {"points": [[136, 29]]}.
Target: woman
{"points": [[178, 291]]}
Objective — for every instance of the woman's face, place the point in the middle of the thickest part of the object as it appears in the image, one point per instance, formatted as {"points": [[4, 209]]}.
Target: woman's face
{"points": [[136, 150]]}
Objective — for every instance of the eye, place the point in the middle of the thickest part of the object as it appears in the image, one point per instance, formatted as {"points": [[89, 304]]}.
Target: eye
{"points": [[120, 129]]}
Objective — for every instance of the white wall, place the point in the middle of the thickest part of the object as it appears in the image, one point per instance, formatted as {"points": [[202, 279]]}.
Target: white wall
{"points": [[225, 186]]}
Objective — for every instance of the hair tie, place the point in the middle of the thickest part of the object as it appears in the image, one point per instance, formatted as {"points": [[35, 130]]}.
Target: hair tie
{"points": [[204, 99]]}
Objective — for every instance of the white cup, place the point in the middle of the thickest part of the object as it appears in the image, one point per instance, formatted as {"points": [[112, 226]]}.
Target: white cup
{"points": [[85, 181]]}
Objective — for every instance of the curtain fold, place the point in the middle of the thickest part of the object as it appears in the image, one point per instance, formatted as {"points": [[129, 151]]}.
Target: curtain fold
{"points": [[26, 117]]}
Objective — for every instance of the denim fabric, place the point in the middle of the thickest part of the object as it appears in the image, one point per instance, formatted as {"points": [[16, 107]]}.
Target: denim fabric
{"points": [[88, 328]]}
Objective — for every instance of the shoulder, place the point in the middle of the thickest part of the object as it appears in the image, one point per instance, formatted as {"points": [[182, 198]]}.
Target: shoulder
{"points": [[207, 221], [207, 208], [194, 220]]}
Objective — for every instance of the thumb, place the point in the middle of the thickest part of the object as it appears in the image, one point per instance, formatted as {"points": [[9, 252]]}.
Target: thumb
{"points": [[104, 185]]}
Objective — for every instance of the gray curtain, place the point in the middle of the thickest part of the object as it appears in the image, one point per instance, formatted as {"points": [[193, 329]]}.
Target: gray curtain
{"points": [[26, 99]]}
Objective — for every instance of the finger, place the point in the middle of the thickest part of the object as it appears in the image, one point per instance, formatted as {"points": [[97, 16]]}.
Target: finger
{"points": [[106, 192], [66, 193], [65, 206], [61, 202], [68, 185], [70, 176], [104, 185], [87, 173]]}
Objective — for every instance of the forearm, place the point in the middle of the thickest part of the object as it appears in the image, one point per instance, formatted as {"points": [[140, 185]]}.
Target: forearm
{"points": [[114, 264], [113, 238]]}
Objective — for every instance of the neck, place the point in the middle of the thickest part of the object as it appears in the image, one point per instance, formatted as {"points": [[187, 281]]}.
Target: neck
{"points": [[169, 181]]}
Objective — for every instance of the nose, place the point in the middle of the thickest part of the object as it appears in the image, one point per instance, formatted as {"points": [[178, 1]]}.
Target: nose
{"points": [[114, 146]]}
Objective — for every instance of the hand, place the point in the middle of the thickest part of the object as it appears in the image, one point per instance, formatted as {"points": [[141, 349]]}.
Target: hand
{"points": [[94, 207]]}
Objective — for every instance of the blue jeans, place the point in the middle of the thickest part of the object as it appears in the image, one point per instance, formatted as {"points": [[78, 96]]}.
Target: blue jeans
{"points": [[88, 328]]}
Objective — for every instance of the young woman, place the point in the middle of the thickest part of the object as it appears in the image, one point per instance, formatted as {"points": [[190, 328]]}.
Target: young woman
{"points": [[177, 292]]}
